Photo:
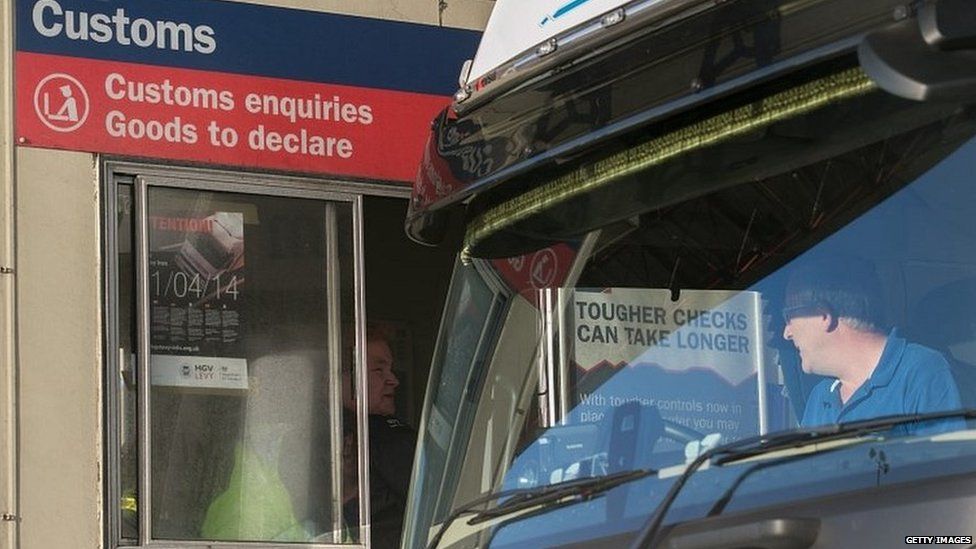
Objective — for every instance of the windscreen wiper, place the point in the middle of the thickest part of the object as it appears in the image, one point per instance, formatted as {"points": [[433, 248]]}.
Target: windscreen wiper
{"points": [[572, 491], [762, 444], [723, 501]]}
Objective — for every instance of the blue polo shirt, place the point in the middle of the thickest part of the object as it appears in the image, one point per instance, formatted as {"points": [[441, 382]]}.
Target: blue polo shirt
{"points": [[909, 379]]}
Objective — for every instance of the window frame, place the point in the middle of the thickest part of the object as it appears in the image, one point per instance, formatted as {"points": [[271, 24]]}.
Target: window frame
{"points": [[142, 176]]}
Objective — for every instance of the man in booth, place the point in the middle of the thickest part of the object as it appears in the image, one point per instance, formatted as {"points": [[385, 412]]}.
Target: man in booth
{"points": [[391, 444]]}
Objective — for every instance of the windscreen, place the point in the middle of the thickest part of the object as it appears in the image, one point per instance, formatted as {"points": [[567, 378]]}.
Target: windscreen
{"points": [[818, 270]]}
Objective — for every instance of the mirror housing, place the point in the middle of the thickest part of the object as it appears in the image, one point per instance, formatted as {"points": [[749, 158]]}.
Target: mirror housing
{"points": [[931, 58]]}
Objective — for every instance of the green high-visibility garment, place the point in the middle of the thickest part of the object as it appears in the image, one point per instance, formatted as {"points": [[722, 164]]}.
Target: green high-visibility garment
{"points": [[254, 507]]}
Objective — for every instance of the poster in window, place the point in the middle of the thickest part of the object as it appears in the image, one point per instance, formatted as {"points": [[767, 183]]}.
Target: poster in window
{"points": [[196, 278]]}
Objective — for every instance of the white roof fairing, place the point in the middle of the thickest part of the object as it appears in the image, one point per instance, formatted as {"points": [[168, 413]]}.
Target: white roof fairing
{"points": [[518, 25]]}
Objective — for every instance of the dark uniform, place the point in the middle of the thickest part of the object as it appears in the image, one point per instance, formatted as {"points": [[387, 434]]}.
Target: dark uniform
{"points": [[391, 446]]}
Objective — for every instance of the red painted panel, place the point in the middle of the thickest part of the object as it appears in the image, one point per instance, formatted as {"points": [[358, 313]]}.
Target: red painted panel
{"points": [[226, 119]]}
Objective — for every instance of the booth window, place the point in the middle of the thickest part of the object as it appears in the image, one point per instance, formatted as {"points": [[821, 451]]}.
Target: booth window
{"points": [[231, 307]]}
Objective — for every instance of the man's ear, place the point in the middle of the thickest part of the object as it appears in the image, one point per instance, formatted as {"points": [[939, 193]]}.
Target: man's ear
{"points": [[831, 320]]}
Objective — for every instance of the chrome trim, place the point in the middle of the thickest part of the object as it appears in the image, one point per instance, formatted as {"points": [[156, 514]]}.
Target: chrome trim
{"points": [[141, 229], [245, 188], [563, 369], [552, 397], [334, 323], [258, 182], [362, 407]]}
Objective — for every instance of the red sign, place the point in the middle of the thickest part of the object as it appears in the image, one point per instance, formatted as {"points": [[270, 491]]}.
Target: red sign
{"points": [[215, 118]]}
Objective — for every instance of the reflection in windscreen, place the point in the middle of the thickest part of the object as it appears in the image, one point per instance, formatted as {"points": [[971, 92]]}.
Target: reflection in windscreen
{"points": [[715, 319], [831, 278], [852, 328]]}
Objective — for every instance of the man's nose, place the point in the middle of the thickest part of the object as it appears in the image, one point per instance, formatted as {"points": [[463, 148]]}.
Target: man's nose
{"points": [[391, 379], [787, 334]]}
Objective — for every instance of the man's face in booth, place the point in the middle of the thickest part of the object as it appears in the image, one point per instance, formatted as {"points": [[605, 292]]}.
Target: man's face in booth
{"points": [[381, 381]]}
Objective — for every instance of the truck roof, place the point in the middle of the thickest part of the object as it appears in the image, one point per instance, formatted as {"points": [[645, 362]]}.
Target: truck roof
{"points": [[608, 74], [516, 27]]}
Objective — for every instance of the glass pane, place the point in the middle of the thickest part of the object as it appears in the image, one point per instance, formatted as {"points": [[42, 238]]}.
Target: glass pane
{"points": [[245, 443]]}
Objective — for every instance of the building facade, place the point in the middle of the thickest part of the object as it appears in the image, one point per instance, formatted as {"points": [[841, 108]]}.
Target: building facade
{"points": [[202, 205]]}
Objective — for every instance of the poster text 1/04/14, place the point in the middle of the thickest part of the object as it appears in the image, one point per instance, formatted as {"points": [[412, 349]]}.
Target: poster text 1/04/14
{"points": [[181, 285]]}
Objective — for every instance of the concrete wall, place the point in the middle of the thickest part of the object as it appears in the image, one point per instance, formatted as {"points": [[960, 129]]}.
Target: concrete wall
{"points": [[51, 460], [59, 363]]}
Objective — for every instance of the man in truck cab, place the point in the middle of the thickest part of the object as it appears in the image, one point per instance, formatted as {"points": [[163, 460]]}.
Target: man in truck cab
{"points": [[833, 316]]}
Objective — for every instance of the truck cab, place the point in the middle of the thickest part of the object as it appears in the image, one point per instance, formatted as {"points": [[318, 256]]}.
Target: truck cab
{"points": [[670, 213]]}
